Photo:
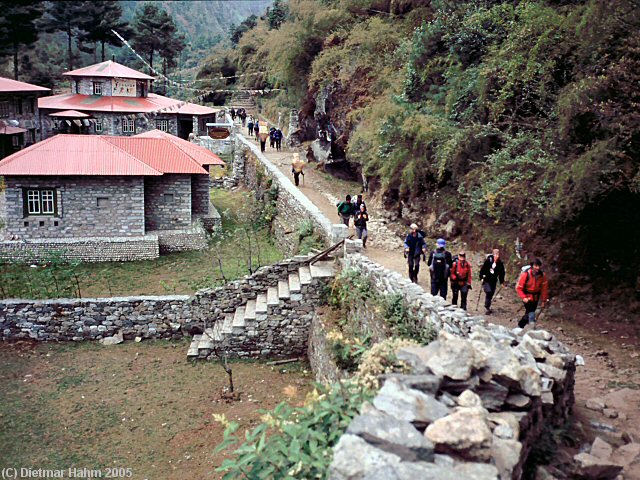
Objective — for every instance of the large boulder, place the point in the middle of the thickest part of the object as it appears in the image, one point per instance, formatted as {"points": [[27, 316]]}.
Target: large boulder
{"points": [[464, 433]]}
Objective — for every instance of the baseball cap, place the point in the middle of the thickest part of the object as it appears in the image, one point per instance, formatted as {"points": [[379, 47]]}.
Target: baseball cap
{"points": [[440, 242]]}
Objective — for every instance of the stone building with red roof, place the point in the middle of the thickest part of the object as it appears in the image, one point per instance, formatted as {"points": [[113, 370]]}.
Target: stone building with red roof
{"points": [[19, 123], [111, 99], [107, 198]]}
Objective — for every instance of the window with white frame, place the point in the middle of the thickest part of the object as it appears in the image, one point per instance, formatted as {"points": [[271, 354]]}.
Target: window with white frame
{"points": [[97, 88], [162, 125], [40, 201], [4, 109], [128, 125], [98, 126]]}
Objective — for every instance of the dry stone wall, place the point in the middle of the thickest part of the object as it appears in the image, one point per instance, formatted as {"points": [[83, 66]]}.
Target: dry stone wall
{"points": [[472, 405]]}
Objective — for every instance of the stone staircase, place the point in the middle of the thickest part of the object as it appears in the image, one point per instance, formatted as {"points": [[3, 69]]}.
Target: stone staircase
{"points": [[278, 315], [244, 100]]}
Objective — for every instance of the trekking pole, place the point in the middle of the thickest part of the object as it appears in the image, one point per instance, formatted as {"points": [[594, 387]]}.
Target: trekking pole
{"points": [[479, 295]]}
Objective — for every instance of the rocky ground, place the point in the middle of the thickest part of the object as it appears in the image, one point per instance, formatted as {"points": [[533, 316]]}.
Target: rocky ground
{"points": [[607, 386]]}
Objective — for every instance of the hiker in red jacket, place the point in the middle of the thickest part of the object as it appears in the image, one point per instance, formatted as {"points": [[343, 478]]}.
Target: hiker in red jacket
{"points": [[532, 288], [460, 280]]}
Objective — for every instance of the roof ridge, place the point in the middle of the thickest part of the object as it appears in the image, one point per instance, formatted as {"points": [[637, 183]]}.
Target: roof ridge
{"points": [[178, 145], [107, 138], [19, 154]]}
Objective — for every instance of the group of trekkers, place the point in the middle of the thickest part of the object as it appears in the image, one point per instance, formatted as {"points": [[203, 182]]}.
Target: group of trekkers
{"points": [[532, 286], [241, 113], [355, 207], [262, 132]]}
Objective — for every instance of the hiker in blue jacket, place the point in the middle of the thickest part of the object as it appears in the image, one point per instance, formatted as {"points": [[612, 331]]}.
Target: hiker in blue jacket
{"points": [[440, 261], [414, 248]]}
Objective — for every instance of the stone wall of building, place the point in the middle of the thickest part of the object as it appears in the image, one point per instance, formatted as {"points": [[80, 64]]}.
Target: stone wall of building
{"points": [[86, 249], [167, 202], [193, 238], [23, 107], [200, 187], [212, 221], [86, 207]]}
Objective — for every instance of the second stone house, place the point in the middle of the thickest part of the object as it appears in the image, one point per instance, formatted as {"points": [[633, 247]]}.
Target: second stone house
{"points": [[111, 99], [101, 198]]}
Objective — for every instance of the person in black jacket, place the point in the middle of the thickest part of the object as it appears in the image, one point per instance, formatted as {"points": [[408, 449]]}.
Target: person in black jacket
{"points": [[440, 261], [414, 247], [491, 273], [361, 218]]}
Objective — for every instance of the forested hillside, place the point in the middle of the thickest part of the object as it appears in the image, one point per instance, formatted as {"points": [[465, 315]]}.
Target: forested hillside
{"points": [[515, 119]]}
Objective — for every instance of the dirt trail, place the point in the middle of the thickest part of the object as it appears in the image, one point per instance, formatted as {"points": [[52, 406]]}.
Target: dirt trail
{"points": [[610, 348]]}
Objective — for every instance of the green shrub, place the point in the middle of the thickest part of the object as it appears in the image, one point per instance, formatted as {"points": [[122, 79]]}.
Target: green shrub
{"points": [[294, 442]]}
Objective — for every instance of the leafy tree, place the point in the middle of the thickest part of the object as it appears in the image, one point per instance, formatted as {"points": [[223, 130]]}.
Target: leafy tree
{"points": [[246, 25], [101, 18], [18, 28], [67, 17], [277, 14], [156, 32]]}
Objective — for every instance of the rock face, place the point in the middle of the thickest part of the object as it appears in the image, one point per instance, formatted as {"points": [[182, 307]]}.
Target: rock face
{"points": [[480, 404], [591, 467]]}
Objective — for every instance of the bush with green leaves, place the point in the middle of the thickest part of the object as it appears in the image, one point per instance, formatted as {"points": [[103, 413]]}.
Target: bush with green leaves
{"points": [[294, 442], [403, 323]]}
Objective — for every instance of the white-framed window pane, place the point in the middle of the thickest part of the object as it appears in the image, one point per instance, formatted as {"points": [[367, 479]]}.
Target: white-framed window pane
{"points": [[128, 126], [4, 109], [97, 88], [33, 201], [162, 125], [47, 201], [98, 125]]}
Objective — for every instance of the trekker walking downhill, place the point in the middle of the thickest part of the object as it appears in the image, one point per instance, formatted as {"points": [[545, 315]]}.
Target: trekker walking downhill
{"points": [[256, 129], [491, 272], [532, 288], [414, 248], [360, 221], [297, 167], [278, 136], [461, 280], [345, 210], [250, 126], [439, 263], [233, 114]]}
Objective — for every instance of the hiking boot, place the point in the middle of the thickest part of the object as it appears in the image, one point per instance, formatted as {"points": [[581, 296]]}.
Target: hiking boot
{"points": [[524, 321], [488, 311]]}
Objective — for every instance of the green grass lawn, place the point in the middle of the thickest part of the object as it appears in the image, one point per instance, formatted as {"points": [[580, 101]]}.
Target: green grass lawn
{"points": [[244, 243]]}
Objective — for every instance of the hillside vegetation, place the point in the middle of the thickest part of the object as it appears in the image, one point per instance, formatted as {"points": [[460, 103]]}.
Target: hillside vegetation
{"points": [[516, 117]]}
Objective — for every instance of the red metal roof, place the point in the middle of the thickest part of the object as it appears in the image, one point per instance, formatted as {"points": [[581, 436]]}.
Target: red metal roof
{"points": [[109, 69], [9, 130], [74, 155], [159, 153], [69, 114], [97, 103], [200, 154], [9, 85]]}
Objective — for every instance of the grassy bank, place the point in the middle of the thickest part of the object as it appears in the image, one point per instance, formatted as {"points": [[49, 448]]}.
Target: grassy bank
{"points": [[243, 245]]}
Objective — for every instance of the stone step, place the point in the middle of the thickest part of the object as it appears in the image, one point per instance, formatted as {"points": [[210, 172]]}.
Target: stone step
{"points": [[250, 310], [304, 272], [294, 283], [227, 325], [272, 296], [238, 320], [206, 341], [323, 269], [261, 303], [216, 332], [283, 289], [193, 347]]}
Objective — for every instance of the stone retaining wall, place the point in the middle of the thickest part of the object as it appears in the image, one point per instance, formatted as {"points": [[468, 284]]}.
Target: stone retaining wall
{"points": [[194, 238], [474, 401], [90, 249], [319, 354]]}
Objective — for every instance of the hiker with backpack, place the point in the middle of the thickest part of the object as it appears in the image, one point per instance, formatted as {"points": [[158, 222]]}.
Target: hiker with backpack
{"points": [[233, 114], [345, 210], [414, 248], [491, 272], [460, 280], [440, 262], [250, 126], [278, 138], [360, 220], [532, 288]]}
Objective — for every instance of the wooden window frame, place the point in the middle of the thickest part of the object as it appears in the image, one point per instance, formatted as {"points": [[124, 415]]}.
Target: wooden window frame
{"points": [[5, 109], [125, 122], [160, 122], [27, 197], [98, 90]]}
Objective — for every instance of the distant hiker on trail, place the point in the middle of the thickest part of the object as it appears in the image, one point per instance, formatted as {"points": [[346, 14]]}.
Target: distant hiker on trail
{"points": [[256, 129], [242, 114], [297, 166], [460, 280], [345, 210], [272, 138], [263, 134], [357, 202], [250, 126], [491, 272], [233, 114], [360, 221], [414, 248], [440, 262], [278, 136], [532, 288]]}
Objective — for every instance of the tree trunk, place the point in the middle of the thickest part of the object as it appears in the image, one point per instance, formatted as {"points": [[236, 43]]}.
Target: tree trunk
{"points": [[70, 58], [103, 42], [15, 61]]}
